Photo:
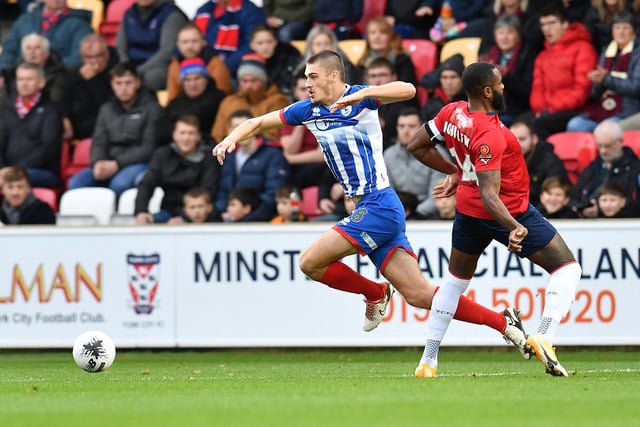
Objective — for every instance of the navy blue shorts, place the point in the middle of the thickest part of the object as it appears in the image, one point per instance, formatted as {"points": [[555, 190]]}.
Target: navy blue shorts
{"points": [[472, 235], [377, 227]]}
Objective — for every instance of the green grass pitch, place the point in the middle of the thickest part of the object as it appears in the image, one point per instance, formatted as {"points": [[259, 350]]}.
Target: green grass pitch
{"points": [[335, 387]]}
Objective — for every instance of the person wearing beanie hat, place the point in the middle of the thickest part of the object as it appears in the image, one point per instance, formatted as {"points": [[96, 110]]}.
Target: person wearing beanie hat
{"points": [[255, 93], [193, 66], [253, 65], [449, 88]]}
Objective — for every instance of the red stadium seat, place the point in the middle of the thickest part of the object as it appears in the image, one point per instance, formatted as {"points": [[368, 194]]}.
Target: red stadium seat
{"points": [[81, 159], [631, 139], [310, 202], [424, 55], [48, 196], [115, 13], [575, 149], [370, 9]]}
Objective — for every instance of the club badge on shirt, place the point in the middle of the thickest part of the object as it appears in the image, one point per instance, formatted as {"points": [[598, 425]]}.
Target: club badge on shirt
{"points": [[484, 153]]}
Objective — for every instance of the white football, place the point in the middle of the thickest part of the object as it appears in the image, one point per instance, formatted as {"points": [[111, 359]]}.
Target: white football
{"points": [[94, 351]]}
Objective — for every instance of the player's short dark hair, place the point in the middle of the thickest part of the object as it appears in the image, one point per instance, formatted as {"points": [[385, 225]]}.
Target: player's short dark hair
{"points": [[330, 60], [476, 77]]}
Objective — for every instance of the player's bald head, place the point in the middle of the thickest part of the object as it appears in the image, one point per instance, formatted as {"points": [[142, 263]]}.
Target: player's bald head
{"points": [[329, 61]]}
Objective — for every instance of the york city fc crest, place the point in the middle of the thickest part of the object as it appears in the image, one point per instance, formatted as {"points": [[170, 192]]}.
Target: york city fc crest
{"points": [[144, 278]]}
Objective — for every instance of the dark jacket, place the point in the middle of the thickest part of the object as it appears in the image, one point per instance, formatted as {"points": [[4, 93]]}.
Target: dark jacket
{"points": [[348, 12], [280, 66], [435, 103], [177, 174], [624, 172], [65, 36], [85, 97], [204, 107], [265, 170], [126, 136], [564, 213], [33, 211], [34, 141], [542, 163]]}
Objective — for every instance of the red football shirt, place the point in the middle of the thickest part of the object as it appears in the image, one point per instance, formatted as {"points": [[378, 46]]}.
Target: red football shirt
{"points": [[480, 142]]}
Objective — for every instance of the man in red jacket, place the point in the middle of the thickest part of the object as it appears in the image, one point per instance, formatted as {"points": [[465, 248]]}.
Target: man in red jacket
{"points": [[560, 83]]}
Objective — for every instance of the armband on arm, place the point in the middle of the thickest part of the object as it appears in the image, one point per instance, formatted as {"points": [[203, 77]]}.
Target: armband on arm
{"points": [[434, 133]]}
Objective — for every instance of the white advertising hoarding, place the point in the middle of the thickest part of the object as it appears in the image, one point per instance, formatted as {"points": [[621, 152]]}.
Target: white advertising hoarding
{"points": [[239, 286]]}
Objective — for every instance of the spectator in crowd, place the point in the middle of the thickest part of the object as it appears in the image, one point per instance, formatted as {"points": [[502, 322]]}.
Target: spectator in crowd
{"points": [[31, 129], [384, 42], [542, 162], [242, 203], [197, 208], [332, 202], [409, 203], [560, 85], [147, 37], [409, 18], [406, 173], [36, 50], [321, 38], [89, 87], [600, 18], [199, 97], [124, 138], [19, 205], [379, 72], [281, 58], [176, 168], [457, 18], [191, 44], [340, 16], [255, 93], [300, 147], [449, 88], [285, 205], [227, 27], [554, 199], [514, 60], [63, 27], [445, 206], [291, 19], [615, 90], [612, 202], [257, 164], [529, 27], [614, 164]]}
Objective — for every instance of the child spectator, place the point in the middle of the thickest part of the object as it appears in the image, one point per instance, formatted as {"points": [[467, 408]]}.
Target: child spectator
{"points": [[242, 201], [554, 199], [286, 205], [20, 206], [197, 208], [612, 202]]}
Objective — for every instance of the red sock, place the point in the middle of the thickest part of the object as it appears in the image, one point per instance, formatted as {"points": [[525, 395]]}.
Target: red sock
{"points": [[471, 312], [339, 276]]}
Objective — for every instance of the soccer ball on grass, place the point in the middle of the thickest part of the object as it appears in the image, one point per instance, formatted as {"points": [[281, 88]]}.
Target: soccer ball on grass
{"points": [[94, 351]]}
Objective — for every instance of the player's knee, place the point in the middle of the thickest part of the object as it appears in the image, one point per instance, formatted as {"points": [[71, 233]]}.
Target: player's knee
{"points": [[308, 266]]}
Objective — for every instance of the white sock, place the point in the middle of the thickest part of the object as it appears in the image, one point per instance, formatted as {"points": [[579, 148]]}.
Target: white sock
{"points": [[443, 306], [558, 299]]}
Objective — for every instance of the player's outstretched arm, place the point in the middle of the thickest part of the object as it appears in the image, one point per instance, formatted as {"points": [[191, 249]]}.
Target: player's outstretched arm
{"points": [[245, 130], [386, 93], [424, 149]]}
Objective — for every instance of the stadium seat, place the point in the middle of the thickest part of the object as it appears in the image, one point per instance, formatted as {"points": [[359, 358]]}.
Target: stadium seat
{"points": [[631, 139], [466, 46], [301, 45], [98, 202], [80, 158], [370, 9], [111, 24], [424, 55], [310, 202], [575, 149], [353, 48], [96, 7], [127, 201], [48, 196]]}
